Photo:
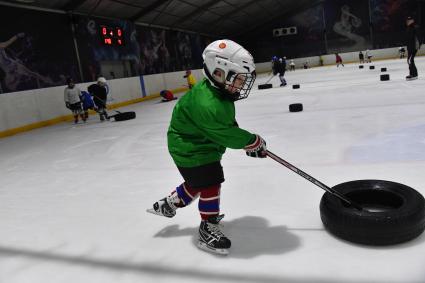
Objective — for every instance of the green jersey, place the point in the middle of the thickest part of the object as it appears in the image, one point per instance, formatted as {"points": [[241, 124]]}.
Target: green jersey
{"points": [[202, 126]]}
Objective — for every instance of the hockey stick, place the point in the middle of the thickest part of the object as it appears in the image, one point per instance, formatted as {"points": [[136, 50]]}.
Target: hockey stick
{"points": [[313, 180], [270, 79]]}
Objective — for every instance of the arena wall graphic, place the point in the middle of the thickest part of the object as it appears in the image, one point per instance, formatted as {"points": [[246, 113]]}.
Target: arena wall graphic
{"points": [[336, 26], [42, 54], [347, 25], [388, 20], [45, 54]]}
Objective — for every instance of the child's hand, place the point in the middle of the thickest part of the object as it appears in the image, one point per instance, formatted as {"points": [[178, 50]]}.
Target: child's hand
{"points": [[257, 149]]}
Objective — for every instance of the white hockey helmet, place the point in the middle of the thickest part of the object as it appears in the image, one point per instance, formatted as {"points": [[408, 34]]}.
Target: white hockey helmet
{"points": [[101, 80], [233, 62]]}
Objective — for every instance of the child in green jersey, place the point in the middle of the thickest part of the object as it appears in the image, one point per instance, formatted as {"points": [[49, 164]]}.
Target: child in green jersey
{"points": [[202, 126]]}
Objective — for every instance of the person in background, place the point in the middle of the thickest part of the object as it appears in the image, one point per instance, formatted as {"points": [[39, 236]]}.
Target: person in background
{"points": [[99, 93], [72, 96], [306, 65], [361, 57], [368, 56], [338, 60], [191, 81], [167, 95], [292, 65], [402, 52], [88, 103], [413, 44], [280, 69], [275, 62]]}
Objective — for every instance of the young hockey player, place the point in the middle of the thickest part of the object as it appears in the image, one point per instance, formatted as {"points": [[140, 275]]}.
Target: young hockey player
{"points": [[191, 81], [275, 61], [72, 96], [167, 95], [202, 126], [361, 57], [368, 56], [338, 60], [281, 68], [292, 65], [402, 52], [99, 93], [87, 102]]}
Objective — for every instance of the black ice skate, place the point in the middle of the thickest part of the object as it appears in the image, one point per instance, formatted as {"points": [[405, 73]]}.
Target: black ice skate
{"points": [[411, 78], [166, 207], [211, 239]]}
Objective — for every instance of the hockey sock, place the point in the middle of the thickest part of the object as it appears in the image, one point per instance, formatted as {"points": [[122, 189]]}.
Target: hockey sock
{"points": [[209, 201], [186, 194]]}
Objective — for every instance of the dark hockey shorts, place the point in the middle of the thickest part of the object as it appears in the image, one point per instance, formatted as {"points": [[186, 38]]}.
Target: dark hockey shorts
{"points": [[75, 106], [203, 176]]}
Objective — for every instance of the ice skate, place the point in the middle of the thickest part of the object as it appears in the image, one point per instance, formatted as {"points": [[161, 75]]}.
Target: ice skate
{"points": [[411, 78], [166, 207], [211, 238]]}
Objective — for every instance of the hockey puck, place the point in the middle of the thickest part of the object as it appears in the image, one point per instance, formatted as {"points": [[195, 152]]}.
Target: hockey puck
{"points": [[296, 86], [361, 67], [383, 69], [385, 77], [371, 67], [265, 86], [296, 107]]}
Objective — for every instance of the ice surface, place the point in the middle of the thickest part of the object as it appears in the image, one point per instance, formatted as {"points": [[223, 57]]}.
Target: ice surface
{"points": [[73, 198]]}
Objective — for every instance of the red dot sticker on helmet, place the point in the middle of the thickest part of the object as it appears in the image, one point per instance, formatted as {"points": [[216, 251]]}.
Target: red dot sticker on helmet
{"points": [[222, 45]]}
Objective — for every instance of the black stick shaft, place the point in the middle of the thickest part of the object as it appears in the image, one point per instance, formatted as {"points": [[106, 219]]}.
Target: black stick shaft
{"points": [[311, 179], [270, 79]]}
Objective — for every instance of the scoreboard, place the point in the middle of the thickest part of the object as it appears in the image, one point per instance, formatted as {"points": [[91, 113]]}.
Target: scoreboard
{"points": [[112, 36]]}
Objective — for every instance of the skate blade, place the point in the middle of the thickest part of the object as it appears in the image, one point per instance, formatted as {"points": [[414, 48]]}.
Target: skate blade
{"points": [[205, 247], [153, 211]]}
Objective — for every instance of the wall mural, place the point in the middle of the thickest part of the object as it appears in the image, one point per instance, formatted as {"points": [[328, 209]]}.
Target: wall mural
{"points": [[34, 53], [347, 25], [388, 19]]}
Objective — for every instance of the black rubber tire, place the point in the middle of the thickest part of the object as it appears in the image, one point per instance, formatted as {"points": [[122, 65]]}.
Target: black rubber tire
{"points": [[265, 86], [383, 69], [295, 86], [361, 67], [124, 116], [385, 77], [403, 218], [371, 67], [296, 107]]}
